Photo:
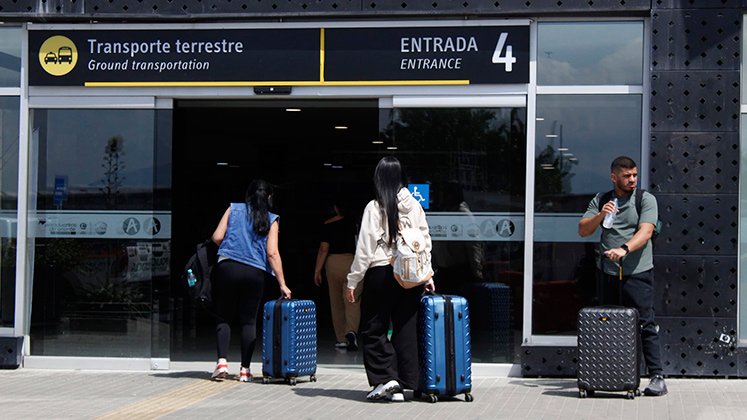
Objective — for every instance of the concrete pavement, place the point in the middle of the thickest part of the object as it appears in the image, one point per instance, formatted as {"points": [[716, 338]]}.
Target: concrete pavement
{"points": [[339, 393]]}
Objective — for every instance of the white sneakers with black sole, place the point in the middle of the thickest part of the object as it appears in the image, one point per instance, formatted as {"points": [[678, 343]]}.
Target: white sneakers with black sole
{"points": [[385, 391]]}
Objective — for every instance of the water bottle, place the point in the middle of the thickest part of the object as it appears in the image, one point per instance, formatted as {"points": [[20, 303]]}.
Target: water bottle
{"points": [[610, 217], [191, 278]]}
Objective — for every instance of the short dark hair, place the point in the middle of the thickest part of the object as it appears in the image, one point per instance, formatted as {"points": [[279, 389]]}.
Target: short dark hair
{"points": [[622, 162]]}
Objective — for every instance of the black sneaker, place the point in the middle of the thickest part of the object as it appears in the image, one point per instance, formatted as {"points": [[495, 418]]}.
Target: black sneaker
{"points": [[352, 338], [656, 387]]}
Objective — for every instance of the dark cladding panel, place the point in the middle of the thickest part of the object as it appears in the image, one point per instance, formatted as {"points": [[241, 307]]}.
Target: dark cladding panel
{"points": [[214, 7], [696, 39], [694, 101], [548, 361], [695, 286], [699, 346], [697, 4], [506, 6], [703, 224], [695, 162]]}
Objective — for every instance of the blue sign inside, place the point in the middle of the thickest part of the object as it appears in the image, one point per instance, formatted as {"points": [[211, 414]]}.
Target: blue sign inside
{"points": [[421, 193], [60, 190]]}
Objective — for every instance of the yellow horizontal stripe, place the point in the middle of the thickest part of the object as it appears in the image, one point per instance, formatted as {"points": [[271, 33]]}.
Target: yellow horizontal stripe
{"points": [[168, 402], [297, 83]]}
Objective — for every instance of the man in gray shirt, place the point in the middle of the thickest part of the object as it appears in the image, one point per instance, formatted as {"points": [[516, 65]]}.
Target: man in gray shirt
{"points": [[626, 257]]}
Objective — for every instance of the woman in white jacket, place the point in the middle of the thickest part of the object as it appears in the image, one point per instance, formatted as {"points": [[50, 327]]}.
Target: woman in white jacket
{"points": [[391, 365]]}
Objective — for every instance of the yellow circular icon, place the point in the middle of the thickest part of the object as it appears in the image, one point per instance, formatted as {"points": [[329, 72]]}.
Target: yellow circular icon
{"points": [[58, 55]]}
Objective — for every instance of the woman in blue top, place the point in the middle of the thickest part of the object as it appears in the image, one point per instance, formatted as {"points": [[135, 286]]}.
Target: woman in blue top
{"points": [[248, 239]]}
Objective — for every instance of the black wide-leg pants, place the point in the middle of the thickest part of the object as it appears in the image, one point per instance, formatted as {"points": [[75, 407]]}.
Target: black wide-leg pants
{"points": [[383, 302]]}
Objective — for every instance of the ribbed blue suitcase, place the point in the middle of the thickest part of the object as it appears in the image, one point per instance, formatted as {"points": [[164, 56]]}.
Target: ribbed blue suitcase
{"points": [[289, 340], [444, 347]]}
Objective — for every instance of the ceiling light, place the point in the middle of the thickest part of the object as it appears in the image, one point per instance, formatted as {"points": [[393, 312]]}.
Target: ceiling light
{"points": [[293, 109], [327, 164], [341, 127], [336, 166], [540, 119], [377, 142], [221, 164], [551, 136], [391, 148], [562, 149]]}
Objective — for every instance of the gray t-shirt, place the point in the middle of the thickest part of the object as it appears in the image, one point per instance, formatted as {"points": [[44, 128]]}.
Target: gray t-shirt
{"points": [[624, 227]]}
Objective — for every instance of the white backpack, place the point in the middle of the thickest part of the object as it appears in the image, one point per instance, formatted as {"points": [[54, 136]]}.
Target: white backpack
{"points": [[411, 262]]}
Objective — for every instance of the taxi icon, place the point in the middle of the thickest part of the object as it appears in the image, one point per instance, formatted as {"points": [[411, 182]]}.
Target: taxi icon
{"points": [[50, 58]]}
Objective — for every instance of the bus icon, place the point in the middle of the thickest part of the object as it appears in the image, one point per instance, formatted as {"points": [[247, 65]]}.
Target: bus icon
{"points": [[65, 55]]}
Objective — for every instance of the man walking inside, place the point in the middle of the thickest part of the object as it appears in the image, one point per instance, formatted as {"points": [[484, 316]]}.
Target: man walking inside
{"points": [[626, 257]]}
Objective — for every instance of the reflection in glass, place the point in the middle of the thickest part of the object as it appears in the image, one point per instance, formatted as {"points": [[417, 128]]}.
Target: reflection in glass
{"points": [[10, 56], [585, 53], [98, 277], [9, 121], [577, 138], [473, 163]]}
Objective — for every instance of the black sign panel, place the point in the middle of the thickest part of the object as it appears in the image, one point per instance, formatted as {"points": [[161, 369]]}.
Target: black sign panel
{"points": [[255, 57], [196, 57], [443, 55]]}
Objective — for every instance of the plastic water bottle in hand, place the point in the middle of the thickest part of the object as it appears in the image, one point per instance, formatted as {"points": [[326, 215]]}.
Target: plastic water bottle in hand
{"points": [[610, 217], [191, 278]]}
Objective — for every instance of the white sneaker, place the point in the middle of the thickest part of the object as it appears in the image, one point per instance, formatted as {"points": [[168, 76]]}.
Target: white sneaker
{"points": [[220, 372], [382, 391], [397, 397]]}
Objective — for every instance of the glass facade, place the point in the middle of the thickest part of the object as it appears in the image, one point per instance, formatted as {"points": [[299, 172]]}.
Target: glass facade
{"points": [[10, 77], [472, 161], [100, 229], [590, 53], [577, 135]]}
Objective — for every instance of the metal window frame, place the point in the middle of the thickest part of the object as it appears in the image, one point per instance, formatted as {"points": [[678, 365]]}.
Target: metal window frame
{"points": [[528, 338]]}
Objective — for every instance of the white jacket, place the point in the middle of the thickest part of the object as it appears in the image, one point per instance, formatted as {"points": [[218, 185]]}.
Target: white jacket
{"points": [[373, 248]]}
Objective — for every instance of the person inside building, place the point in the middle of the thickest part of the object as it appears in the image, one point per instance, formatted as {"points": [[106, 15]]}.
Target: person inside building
{"points": [[391, 364], [335, 255], [247, 236], [626, 257]]}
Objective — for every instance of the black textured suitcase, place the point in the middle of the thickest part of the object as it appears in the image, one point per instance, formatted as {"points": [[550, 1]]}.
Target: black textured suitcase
{"points": [[608, 350]]}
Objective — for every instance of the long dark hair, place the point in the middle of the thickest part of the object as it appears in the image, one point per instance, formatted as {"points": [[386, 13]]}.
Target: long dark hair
{"points": [[258, 205], [388, 179]]}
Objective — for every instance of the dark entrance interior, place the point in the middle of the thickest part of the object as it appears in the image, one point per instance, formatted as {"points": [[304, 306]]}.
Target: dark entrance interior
{"points": [[311, 151]]}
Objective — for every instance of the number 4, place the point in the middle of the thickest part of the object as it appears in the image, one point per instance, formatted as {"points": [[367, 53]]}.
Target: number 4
{"points": [[508, 59]]}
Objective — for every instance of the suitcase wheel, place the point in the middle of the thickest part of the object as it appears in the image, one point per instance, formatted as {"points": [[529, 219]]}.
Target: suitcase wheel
{"points": [[432, 398], [582, 393], [630, 395], [637, 392], [292, 381], [312, 378], [468, 397], [265, 379]]}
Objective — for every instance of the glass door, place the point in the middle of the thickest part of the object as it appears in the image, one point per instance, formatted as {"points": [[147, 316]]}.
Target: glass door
{"points": [[467, 165], [99, 232]]}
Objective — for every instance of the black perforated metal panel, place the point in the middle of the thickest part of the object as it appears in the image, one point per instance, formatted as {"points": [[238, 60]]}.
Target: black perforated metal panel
{"points": [[549, 361], [231, 9], [701, 287], [698, 346], [695, 101], [695, 39], [695, 162]]}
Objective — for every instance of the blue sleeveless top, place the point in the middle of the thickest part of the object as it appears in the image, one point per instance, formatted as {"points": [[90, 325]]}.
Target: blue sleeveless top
{"points": [[241, 243]]}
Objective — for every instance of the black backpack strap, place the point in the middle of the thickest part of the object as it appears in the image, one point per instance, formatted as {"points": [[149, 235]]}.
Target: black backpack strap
{"points": [[604, 199]]}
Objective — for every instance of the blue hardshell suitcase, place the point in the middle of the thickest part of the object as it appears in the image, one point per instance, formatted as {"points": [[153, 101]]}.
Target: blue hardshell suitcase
{"points": [[608, 350], [444, 347], [289, 340]]}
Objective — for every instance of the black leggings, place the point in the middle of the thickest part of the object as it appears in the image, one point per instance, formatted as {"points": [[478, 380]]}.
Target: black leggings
{"points": [[237, 293]]}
